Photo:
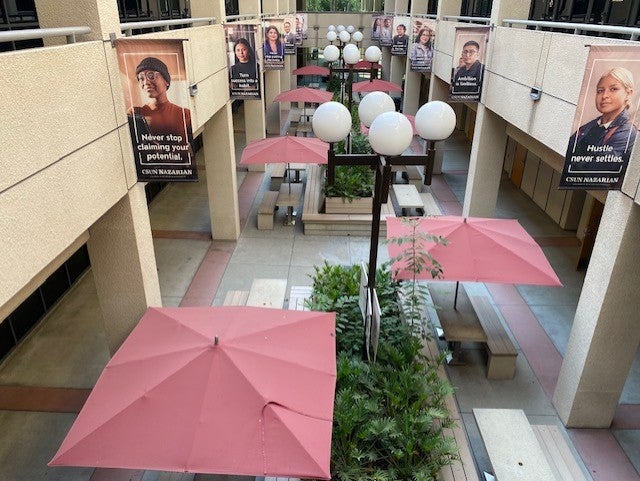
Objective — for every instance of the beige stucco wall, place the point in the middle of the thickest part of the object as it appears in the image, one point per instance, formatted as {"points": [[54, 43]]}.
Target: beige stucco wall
{"points": [[66, 152]]}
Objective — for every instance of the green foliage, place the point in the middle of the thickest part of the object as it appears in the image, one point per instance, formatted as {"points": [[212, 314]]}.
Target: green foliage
{"points": [[333, 5], [351, 181], [389, 416]]}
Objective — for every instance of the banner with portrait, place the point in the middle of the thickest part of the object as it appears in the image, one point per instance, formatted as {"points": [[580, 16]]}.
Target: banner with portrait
{"points": [[421, 49], [300, 21], [156, 95], [244, 69], [400, 40], [605, 124], [289, 35], [469, 56], [273, 44], [383, 30]]}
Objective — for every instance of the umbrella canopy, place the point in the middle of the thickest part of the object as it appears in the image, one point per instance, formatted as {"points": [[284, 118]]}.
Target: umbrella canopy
{"points": [[228, 390], [376, 85], [478, 250], [311, 70], [363, 64], [364, 130], [276, 150], [304, 94]]}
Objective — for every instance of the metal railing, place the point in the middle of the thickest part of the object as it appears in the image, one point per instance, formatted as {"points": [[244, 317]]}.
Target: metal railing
{"points": [[577, 28], [461, 18], [128, 27], [233, 18], [34, 33], [431, 16]]}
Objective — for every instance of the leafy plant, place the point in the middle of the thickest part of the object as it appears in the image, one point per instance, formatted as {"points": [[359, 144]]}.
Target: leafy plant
{"points": [[351, 181]]}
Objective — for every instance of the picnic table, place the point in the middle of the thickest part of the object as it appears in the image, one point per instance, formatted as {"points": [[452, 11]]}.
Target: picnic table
{"points": [[407, 197], [289, 196]]}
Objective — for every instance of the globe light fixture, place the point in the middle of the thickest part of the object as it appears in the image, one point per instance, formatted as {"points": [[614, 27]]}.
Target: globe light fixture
{"points": [[374, 104], [344, 36], [340, 28], [435, 120], [373, 54], [351, 54], [331, 28], [331, 122], [331, 53], [390, 133], [350, 29], [332, 35], [357, 36]]}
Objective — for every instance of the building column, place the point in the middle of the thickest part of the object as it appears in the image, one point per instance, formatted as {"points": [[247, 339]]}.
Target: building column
{"points": [[100, 15], [386, 63], [449, 7], [208, 8], [222, 185], [254, 125], [412, 88], [272, 88], [485, 164], [439, 90], [605, 333], [124, 265], [514, 9]]}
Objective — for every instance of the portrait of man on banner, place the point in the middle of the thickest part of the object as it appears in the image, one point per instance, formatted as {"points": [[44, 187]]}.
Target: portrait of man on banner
{"points": [[273, 44], [605, 125], [400, 40], [467, 73], [386, 31], [244, 69], [155, 87], [421, 50], [289, 35], [300, 28]]}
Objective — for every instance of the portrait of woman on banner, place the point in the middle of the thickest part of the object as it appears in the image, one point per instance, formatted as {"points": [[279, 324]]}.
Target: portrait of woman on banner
{"points": [[244, 81], [605, 142], [272, 49], [421, 54]]}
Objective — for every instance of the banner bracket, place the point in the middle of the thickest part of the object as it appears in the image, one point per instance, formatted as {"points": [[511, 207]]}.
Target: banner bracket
{"points": [[112, 39]]}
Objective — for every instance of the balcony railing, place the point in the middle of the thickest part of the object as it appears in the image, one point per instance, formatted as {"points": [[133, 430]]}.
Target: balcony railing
{"points": [[462, 18], [34, 33], [129, 27], [577, 28]]}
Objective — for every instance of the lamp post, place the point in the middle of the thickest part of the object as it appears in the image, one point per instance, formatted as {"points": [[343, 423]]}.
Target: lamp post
{"points": [[390, 134]]}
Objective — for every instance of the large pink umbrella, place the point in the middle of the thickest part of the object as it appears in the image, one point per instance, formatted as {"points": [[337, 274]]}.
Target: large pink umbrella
{"points": [[228, 390], [304, 94], [477, 250], [309, 150], [311, 70], [376, 85], [363, 64]]}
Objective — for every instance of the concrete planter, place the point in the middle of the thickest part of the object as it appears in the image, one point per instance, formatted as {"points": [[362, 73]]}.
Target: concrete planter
{"points": [[338, 205]]}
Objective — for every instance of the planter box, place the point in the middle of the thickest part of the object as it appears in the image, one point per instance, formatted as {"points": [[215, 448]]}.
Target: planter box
{"points": [[338, 205]]}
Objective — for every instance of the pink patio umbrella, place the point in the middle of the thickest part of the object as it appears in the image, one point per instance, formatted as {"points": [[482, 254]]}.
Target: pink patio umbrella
{"points": [[363, 64], [376, 85], [478, 250], [311, 70], [304, 94], [227, 390], [412, 120]]}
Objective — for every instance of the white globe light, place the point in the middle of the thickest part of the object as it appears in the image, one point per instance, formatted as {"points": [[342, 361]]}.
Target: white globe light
{"points": [[351, 54], [350, 28], [374, 104], [357, 36], [373, 54], [340, 28], [435, 120], [331, 122], [332, 36], [331, 28], [331, 53], [390, 133], [344, 36]]}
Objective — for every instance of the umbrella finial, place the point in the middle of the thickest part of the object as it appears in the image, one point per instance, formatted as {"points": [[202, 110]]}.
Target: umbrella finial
{"points": [[215, 341]]}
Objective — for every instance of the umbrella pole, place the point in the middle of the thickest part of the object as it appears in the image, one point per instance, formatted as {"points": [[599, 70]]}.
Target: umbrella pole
{"points": [[289, 177], [455, 297]]}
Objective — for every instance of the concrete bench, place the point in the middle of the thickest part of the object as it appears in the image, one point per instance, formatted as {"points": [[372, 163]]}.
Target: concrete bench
{"points": [[298, 296], [502, 353], [431, 207], [513, 447], [558, 453], [414, 175], [267, 293], [267, 210], [277, 172], [235, 298]]}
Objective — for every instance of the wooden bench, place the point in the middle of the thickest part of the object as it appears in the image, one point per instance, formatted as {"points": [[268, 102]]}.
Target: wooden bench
{"points": [[512, 446], [298, 297], [235, 298], [558, 453], [277, 172], [267, 293], [431, 207], [502, 353], [267, 210]]}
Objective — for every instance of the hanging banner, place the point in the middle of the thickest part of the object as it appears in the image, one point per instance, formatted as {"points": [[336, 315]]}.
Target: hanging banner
{"points": [[386, 31], [301, 27], [605, 124], [273, 45], [421, 53], [244, 70], [467, 73], [155, 86], [376, 26], [289, 36], [400, 41]]}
